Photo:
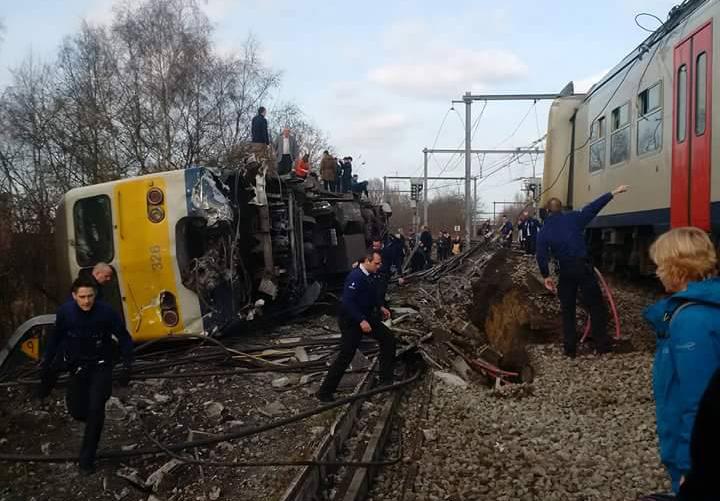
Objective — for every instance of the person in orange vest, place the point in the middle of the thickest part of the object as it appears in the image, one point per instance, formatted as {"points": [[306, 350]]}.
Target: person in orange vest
{"points": [[302, 166]]}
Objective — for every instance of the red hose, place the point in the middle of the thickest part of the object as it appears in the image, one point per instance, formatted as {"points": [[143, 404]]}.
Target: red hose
{"points": [[608, 294]]}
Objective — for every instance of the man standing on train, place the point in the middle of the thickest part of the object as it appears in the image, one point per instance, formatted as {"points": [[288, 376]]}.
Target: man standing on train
{"points": [[562, 236]]}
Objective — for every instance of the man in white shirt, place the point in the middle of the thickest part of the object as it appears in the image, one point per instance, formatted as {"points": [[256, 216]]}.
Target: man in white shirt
{"points": [[286, 150]]}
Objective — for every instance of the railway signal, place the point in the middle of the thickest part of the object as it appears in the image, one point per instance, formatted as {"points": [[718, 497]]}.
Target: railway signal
{"points": [[416, 188]]}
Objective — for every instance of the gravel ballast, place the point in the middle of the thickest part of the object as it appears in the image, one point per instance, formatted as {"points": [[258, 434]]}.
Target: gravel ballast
{"points": [[584, 430]]}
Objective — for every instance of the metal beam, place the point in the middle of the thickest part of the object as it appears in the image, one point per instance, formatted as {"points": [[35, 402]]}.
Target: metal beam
{"points": [[488, 152], [431, 178], [510, 97]]}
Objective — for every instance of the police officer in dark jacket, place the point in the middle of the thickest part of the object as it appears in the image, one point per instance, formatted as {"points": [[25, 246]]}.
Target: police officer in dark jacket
{"points": [[393, 255], [259, 127], [83, 335], [562, 236], [361, 314], [530, 231]]}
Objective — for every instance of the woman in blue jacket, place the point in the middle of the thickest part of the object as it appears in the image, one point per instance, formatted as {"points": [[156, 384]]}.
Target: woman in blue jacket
{"points": [[687, 324]]}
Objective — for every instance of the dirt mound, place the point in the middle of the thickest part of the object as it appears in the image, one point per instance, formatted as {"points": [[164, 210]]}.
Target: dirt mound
{"points": [[503, 309]]}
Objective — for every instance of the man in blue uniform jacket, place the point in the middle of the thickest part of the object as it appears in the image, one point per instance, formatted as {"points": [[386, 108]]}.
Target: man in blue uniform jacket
{"points": [[562, 235], [360, 314], [83, 334]]}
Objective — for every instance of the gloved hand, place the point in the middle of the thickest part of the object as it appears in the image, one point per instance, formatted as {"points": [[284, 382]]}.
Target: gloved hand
{"points": [[124, 376]]}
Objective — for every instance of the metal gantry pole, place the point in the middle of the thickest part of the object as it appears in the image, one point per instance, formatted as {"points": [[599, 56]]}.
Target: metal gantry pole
{"points": [[475, 203], [425, 186], [384, 196], [468, 168]]}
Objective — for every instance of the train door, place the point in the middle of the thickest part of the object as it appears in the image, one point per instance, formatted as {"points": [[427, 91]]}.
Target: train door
{"points": [[692, 86]]}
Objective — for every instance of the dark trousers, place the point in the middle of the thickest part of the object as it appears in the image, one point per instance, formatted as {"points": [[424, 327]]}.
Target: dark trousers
{"points": [[285, 165], [574, 275], [351, 336], [88, 389], [329, 185], [346, 183], [530, 244]]}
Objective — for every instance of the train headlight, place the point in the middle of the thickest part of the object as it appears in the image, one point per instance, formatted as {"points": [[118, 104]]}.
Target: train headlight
{"points": [[155, 196], [170, 318], [156, 214], [168, 309]]}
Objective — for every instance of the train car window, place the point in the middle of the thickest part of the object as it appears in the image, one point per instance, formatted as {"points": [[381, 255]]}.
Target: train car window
{"points": [[650, 120], [620, 116], [92, 218], [700, 93], [598, 129], [620, 137], [597, 148], [597, 155], [681, 104], [650, 99]]}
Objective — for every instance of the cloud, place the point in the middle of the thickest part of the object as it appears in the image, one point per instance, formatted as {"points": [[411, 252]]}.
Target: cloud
{"points": [[446, 73], [583, 85], [101, 12], [426, 61], [374, 128], [216, 10]]}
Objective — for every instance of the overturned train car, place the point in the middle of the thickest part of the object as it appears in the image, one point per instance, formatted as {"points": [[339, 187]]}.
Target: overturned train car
{"points": [[195, 250]]}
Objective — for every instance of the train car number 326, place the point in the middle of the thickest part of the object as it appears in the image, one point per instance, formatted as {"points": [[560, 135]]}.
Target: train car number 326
{"points": [[155, 258]]}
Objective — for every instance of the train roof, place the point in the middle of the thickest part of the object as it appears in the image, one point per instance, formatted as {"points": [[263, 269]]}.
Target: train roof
{"points": [[75, 192], [677, 14]]}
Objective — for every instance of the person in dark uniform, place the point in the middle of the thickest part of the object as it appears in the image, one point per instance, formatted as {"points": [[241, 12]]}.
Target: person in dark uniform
{"points": [[531, 228], [506, 230], [361, 314], [83, 334], [259, 127], [426, 243], [393, 255], [563, 236]]}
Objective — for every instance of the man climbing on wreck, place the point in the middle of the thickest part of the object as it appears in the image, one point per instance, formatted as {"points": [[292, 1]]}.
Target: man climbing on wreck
{"points": [[361, 314], [562, 236]]}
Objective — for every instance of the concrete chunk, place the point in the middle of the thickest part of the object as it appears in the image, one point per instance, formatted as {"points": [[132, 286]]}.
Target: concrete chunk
{"points": [[450, 379]]}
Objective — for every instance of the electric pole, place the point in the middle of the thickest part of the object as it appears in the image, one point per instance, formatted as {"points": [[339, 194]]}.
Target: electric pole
{"points": [[468, 167], [425, 186]]}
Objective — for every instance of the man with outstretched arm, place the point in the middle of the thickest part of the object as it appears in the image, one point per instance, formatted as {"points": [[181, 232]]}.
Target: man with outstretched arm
{"points": [[83, 334], [361, 314], [562, 236]]}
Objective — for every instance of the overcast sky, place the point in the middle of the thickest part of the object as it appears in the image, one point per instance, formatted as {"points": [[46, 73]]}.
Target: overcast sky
{"points": [[379, 76]]}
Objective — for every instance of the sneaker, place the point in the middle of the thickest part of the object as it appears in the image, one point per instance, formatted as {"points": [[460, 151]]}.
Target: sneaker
{"points": [[570, 354], [604, 350]]}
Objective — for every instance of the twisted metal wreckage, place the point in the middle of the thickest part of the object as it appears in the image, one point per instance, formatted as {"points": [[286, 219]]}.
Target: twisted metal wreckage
{"points": [[252, 235]]}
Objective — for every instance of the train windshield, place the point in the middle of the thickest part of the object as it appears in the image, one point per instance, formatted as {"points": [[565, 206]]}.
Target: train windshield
{"points": [[93, 230]]}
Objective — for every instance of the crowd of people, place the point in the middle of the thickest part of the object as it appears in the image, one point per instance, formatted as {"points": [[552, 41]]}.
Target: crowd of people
{"points": [[335, 174], [686, 373]]}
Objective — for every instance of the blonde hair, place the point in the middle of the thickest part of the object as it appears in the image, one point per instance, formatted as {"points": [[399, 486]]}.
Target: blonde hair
{"points": [[684, 255]]}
